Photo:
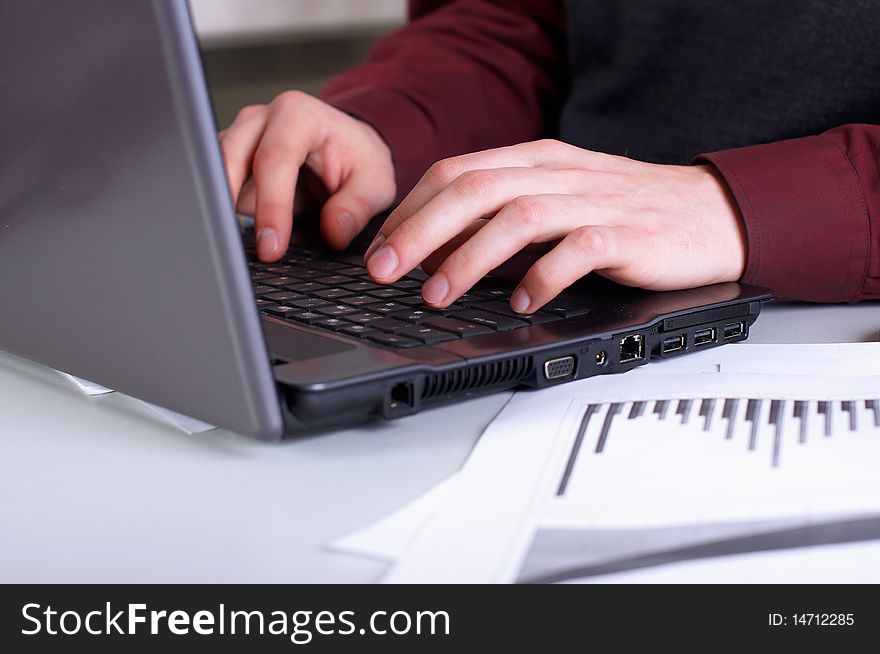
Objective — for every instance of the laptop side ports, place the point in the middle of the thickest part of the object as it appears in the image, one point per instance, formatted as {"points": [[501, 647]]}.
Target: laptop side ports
{"points": [[632, 348], [672, 344], [704, 337], [734, 329], [559, 368]]}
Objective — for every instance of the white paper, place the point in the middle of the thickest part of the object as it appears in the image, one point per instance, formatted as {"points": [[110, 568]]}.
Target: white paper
{"points": [[391, 537], [851, 563], [87, 387], [660, 482], [182, 422]]}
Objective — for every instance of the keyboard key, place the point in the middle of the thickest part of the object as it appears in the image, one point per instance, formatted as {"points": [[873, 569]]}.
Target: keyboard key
{"points": [[492, 293], [282, 311], [364, 317], [389, 324], [387, 293], [425, 334], [330, 266], [537, 318], [333, 293], [279, 270], [308, 317], [394, 341], [360, 331], [310, 303], [353, 271], [566, 308], [463, 329], [283, 296], [360, 287], [411, 300], [308, 273], [335, 310], [493, 320], [333, 280], [263, 289], [359, 300], [280, 282], [455, 307], [413, 315], [407, 283], [335, 324], [263, 305], [306, 287], [386, 307]]}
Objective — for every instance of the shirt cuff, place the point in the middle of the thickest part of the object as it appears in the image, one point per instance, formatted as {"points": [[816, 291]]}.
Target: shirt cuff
{"points": [[805, 216], [406, 129]]}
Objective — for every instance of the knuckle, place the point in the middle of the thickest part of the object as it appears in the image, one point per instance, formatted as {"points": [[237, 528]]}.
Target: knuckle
{"points": [[590, 241], [292, 98], [444, 172], [249, 112], [551, 145], [473, 183], [526, 211]]}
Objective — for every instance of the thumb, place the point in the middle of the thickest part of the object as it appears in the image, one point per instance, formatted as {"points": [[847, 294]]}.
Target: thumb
{"points": [[360, 197]]}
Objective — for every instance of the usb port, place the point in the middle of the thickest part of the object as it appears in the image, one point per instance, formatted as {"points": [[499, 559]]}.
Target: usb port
{"points": [[734, 329], [632, 348], [672, 344], [704, 336]]}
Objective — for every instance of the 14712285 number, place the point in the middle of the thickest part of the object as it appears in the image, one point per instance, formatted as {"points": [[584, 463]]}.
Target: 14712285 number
{"points": [[811, 619]]}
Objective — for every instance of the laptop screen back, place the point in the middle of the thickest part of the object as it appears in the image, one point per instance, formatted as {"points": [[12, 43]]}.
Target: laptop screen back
{"points": [[120, 257]]}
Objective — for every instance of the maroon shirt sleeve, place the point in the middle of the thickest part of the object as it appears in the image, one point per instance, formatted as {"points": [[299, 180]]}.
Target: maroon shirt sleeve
{"points": [[811, 208], [462, 76]]}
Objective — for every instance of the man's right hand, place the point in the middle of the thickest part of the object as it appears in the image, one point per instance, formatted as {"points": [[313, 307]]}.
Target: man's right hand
{"points": [[267, 145]]}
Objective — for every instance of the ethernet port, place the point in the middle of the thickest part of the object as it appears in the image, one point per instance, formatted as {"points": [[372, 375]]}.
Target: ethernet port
{"points": [[402, 396], [632, 348]]}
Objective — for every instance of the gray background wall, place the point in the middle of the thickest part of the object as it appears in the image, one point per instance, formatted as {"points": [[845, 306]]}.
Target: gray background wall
{"points": [[255, 49]]}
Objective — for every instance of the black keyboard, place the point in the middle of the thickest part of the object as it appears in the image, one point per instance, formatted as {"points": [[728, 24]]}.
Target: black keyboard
{"points": [[311, 289]]}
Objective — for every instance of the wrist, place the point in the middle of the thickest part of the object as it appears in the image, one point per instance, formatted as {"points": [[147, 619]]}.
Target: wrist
{"points": [[728, 224]]}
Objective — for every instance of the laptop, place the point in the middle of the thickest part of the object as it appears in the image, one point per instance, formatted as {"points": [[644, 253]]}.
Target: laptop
{"points": [[122, 260]]}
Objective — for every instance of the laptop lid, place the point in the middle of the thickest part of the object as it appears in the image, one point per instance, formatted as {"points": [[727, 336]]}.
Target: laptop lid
{"points": [[120, 256]]}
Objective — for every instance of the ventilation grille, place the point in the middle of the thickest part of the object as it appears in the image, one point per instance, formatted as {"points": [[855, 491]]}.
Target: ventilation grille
{"points": [[486, 375]]}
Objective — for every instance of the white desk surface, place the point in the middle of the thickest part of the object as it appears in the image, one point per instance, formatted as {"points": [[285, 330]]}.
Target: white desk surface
{"points": [[101, 490]]}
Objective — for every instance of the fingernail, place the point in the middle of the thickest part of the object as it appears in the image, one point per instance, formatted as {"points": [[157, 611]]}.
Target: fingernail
{"points": [[520, 300], [346, 224], [379, 240], [435, 289], [383, 263], [267, 243]]}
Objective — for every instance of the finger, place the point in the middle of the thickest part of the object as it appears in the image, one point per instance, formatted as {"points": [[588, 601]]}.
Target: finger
{"points": [[584, 250], [525, 220], [470, 197], [238, 144], [277, 162], [547, 153], [518, 265], [359, 198], [247, 198], [513, 269], [437, 257]]}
